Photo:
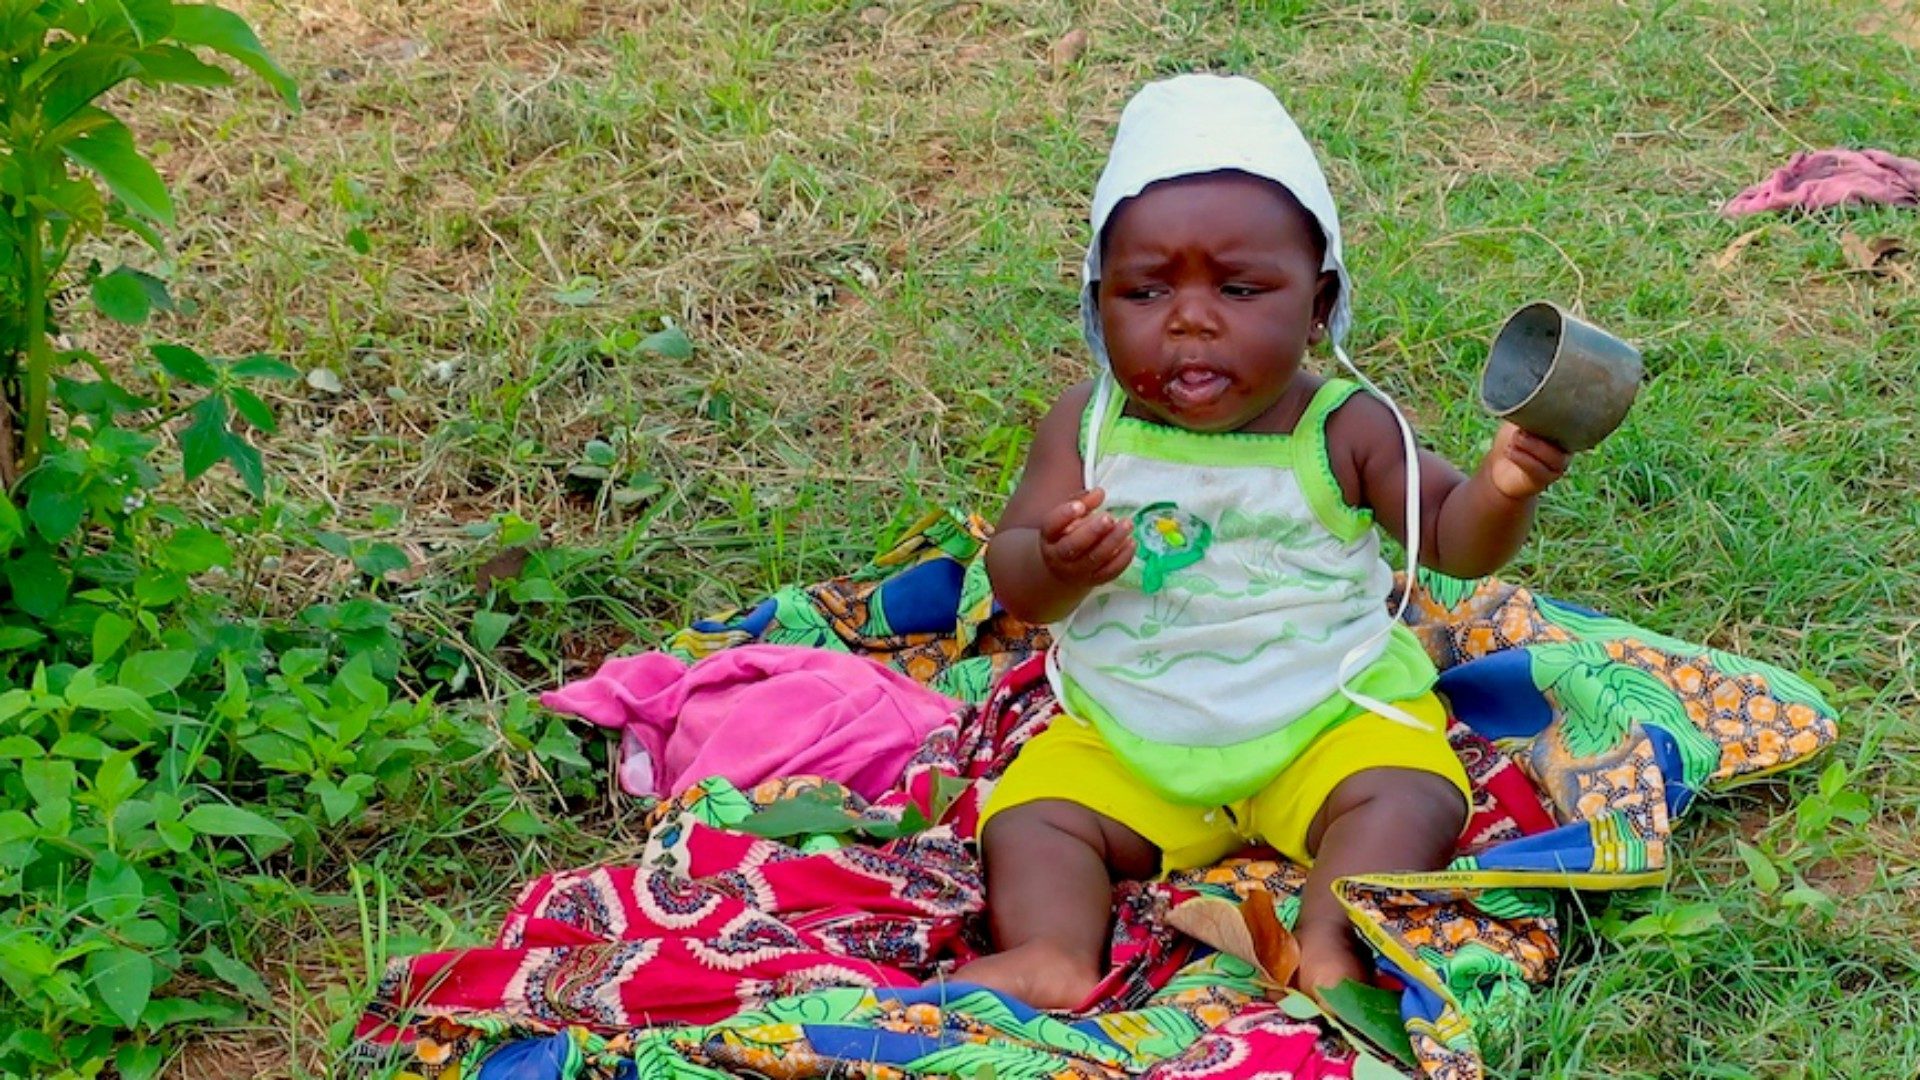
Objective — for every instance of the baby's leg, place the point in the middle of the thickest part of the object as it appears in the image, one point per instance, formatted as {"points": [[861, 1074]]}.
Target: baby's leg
{"points": [[1051, 865], [1377, 820]]}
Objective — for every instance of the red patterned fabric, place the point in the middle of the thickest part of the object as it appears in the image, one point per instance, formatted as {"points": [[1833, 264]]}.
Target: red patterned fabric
{"points": [[711, 921]]}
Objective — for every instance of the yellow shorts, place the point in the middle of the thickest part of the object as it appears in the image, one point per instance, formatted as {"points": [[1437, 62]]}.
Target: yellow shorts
{"points": [[1071, 761]]}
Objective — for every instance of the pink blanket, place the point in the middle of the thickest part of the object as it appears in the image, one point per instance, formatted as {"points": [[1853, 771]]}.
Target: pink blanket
{"points": [[755, 713], [1811, 181]]}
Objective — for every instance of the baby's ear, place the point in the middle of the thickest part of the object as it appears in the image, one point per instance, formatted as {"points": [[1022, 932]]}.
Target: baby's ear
{"points": [[1326, 293]]}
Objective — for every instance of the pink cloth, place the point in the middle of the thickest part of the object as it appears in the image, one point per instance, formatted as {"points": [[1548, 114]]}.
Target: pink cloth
{"points": [[756, 712], [1810, 181]]}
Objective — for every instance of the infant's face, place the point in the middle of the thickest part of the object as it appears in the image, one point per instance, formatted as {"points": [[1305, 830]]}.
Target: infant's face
{"points": [[1209, 292]]}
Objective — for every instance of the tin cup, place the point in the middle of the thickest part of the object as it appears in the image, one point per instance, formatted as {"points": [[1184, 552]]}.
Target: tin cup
{"points": [[1562, 379]]}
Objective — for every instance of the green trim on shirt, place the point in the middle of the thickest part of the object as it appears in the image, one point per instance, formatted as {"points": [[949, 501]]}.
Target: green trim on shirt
{"points": [[1218, 775]]}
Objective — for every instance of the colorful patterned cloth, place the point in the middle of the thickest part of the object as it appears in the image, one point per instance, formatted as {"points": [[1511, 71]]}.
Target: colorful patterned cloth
{"points": [[787, 931]]}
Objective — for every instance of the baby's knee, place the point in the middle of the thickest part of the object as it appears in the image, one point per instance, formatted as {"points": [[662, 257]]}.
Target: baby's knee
{"points": [[1408, 795], [1048, 825], [1040, 822]]}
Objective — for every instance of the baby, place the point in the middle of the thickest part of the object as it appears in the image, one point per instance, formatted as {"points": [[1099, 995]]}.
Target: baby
{"points": [[1197, 523]]}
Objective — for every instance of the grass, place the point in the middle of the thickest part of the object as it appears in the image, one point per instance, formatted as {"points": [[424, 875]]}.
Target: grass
{"points": [[867, 221]]}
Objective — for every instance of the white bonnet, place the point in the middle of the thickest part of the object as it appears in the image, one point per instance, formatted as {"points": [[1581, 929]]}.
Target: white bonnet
{"points": [[1194, 124]]}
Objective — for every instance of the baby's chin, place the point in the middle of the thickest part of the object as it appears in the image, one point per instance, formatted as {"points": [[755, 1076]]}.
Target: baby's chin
{"points": [[1214, 419]]}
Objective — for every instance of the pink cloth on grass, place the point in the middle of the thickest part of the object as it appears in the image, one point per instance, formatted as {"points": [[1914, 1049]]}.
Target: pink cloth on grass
{"points": [[1811, 181], [755, 712]]}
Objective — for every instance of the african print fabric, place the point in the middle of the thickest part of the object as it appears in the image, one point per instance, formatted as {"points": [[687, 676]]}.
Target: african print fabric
{"points": [[798, 931]]}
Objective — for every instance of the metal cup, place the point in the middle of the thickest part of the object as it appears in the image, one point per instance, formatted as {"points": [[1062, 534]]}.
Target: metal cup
{"points": [[1560, 378]]}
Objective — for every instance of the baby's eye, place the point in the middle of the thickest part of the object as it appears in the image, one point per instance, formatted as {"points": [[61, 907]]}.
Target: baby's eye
{"points": [[1241, 289], [1143, 292]]}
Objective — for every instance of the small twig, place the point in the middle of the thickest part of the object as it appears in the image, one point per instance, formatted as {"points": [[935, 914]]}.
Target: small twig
{"points": [[1765, 109]]}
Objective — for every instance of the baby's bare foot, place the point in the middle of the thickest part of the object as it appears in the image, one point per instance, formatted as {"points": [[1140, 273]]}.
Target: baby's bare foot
{"points": [[1037, 974], [1329, 956]]}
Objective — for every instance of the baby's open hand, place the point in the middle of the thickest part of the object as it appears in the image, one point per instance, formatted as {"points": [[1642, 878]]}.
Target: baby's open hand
{"points": [[1522, 465], [1081, 546]]}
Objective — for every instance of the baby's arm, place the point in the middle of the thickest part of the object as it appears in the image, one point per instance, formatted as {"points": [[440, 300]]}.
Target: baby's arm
{"points": [[1052, 546], [1469, 525]]}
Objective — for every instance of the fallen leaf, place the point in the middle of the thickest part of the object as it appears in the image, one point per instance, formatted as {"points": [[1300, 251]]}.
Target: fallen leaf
{"points": [[1249, 930], [1874, 256], [1273, 944], [324, 381], [1732, 252], [1066, 50]]}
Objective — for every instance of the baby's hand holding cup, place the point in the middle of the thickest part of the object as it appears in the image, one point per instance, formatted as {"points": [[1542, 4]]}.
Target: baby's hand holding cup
{"points": [[1522, 465]]}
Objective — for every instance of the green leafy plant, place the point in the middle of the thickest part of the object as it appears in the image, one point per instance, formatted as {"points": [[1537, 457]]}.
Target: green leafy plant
{"points": [[71, 172], [118, 830]]}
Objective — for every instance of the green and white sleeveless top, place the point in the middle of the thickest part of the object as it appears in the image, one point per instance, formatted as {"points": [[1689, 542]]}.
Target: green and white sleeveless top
{"points": [[1212, 662]]}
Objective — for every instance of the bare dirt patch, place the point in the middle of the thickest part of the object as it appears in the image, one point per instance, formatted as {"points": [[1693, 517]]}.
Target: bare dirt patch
{"points": [[1898, 19]]}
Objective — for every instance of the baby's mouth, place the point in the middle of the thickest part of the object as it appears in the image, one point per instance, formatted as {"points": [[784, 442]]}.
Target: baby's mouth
{"points": [[1193, 386]]}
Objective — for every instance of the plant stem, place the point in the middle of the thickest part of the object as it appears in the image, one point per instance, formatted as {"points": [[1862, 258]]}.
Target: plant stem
{"points": [[39, 375]]}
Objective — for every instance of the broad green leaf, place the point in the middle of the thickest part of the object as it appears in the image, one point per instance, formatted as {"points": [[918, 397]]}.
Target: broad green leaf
{"points": [[117, 779], [79, 746], [175, 1010], [16, 826], [27, 954], [186, 365], [121, 297], [123, 979], [110, 631], [820, 813], [1371, 1013], [193, 549], [219, 819], [248, 404], [262, 366], [15, 701], [48, 782], [1766, 877], [489, 627], [1804, 895], [150, 20], [356, 677], [947, 790], [671, 343], [138, 1062], [108, 151], [246, 461], [380, 559], [39, 583], [518, 822], [300, 663], [16, 638], [20, 748], [11, 527], [113, 699], [114, 890], [1690, 919], [204, 440], [1833, 778], [237, 975], [80, 76], [223, 31], [156, 671], [335, 801], [163, 64], [812, 813], [55, 507], [536, 591]]}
